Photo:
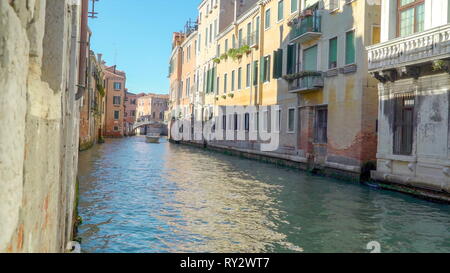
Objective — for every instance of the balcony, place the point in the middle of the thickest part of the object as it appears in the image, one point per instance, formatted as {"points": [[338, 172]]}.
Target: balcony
{"points": [[418, 48], [305, 81], [251, 40], [306, 29]]}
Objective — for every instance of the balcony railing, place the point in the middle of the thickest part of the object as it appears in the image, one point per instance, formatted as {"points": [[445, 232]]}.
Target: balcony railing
{"points": [[306, 29], [251, 40], [426, 46], [305, 82]]}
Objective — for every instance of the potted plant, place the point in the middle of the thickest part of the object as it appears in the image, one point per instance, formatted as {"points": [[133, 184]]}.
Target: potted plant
{"points": [[224, 56], [231, 95], [224, 97], [216, 60]]}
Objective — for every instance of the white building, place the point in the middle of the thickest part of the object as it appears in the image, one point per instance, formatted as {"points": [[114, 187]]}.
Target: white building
{"points": [[412, 66]]}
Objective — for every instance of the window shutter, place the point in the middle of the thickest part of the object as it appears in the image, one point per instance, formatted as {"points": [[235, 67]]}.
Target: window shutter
{"points": [[280, 63], [275, 65], [290, 58]]}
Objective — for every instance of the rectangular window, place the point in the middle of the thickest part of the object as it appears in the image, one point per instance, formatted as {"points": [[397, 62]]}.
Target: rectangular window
{"points": [[224, 122], [265, 69], [116, 100], [291, 59], [332, 53], [310, 59], [117, 86], [116, 115], [236, 122], [247, 122], [226, 45], [267, 19], [350, 47], [240, 78], [257, 23], [278, 119], [321, 125], [280, 10], [291, 120], [375, 34], [240, 42], [232, 80], [249, 33], [247, 76], [255, 72], [265, 121], [225, 79], [294, 6], [403, 122], [410, 17]]}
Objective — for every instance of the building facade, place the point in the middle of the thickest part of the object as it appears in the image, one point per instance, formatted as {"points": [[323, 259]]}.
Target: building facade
{"points": [[92, 113], [115, 81], [131, 100], [303, 64], [152, 107], [411, 65]]}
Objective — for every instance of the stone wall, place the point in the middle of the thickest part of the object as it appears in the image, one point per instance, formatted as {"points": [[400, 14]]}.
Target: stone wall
{"points": [[40, 119]]}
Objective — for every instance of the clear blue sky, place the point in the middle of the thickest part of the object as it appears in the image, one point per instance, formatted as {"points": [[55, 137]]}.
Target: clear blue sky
{"points": [[136, 35]]}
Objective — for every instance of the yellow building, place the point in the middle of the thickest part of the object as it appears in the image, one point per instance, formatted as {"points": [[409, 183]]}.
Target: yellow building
{"points": [[308, 58]]}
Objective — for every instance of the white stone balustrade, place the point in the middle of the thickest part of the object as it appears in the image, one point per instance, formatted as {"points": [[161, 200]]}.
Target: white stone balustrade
{"points": [[429, 45]]}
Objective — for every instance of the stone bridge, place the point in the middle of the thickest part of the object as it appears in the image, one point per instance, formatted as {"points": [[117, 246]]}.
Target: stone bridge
{"points": [[139, 124]]}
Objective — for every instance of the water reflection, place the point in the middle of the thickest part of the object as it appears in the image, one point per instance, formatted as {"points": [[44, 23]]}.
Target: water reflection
{"points": [[139, 197]]}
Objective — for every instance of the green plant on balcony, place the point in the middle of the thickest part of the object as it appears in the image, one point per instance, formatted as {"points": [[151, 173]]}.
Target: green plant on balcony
{"points": [[231, 95], [439, 65], [224, 97], [216, 60], [224, 56], [245, 49], [301, 74], [233, 53], [217, 98]]}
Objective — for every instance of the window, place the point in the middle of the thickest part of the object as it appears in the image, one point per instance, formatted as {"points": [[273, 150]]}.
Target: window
{"points": [[255, 72], [257, 23], [280, 10], [116, 100], [320, 125], [232, 80], [240, 78], [267, 19], [265, 121], [332, 54], [350, 47], [226, 45], [375, 34], [247, 76], [403, 122], [216, 90], [291, 59], [310, 59], [117, 86], [225, 79], [278, 119], [265, 69], [116, 115], [291, 120], [249, 34], [247, 122], [240, 42], [233, 44], [410, 17], [206, 38], [224, 122], [116, 128], [294, 6], [236, 122]]}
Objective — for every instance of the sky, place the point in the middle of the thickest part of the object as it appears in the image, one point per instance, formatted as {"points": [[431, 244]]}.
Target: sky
{"points": [[137, 35]]}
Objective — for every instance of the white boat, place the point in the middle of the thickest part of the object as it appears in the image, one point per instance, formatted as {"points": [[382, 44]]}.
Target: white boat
{"points": [[152, 138]]}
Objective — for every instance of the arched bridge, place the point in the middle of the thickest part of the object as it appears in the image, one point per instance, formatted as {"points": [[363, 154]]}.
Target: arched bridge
{"points": [[142, 123]]}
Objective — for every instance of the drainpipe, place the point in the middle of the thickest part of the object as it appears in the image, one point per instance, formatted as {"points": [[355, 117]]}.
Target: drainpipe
{"points": [[83, 50]]}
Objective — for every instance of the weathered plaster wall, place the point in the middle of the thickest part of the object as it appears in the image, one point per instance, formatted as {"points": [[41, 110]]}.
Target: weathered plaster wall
{"points": [[39, 149]]}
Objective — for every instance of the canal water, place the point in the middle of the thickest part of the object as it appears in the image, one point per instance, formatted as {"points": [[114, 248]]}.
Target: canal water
{"points": [[140, 197]]}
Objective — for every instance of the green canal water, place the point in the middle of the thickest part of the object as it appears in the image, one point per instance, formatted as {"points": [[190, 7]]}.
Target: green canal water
{"points": [[140, 197]]}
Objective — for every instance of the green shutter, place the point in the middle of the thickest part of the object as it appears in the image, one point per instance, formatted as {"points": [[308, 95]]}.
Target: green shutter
{"points": [[310, 59], [275, 65], [291, 57], [261, 70], [332, 58], [280, 10], [279, 63], [350, 47]]}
